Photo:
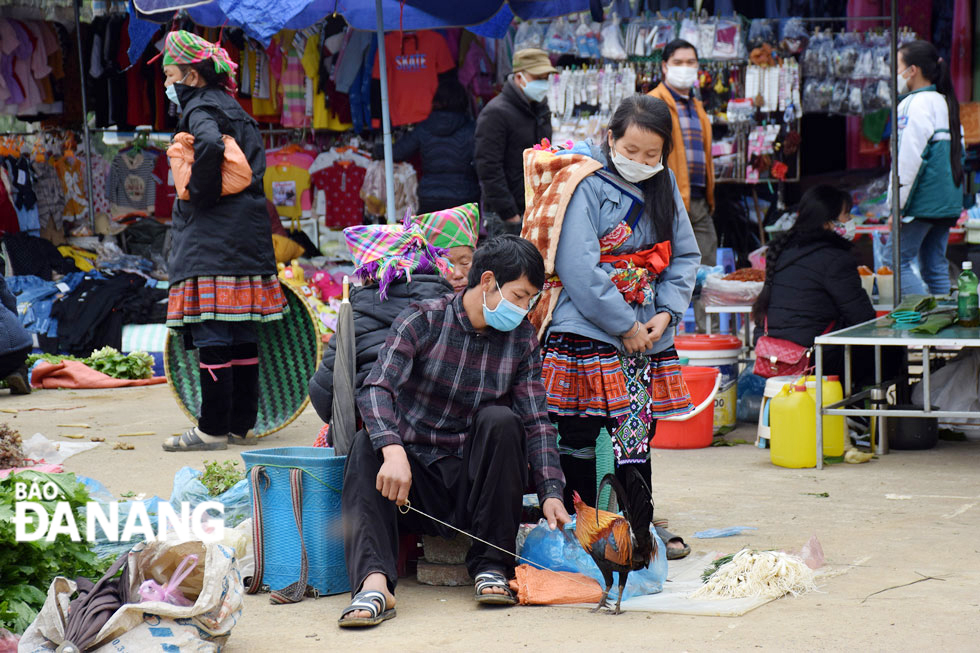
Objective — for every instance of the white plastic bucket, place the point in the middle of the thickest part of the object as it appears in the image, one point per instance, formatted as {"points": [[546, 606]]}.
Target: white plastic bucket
{"points": [[722, 353]]}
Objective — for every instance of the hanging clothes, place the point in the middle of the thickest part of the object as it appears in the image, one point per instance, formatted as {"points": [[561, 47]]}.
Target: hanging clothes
{"points": [[100, 180], [21, 176], [414, 62], [50, 195], [341, 184], [132, 188], [287, 185], [8, 214]]}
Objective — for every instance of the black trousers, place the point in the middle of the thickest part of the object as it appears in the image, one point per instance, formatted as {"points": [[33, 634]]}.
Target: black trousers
{"points": [[580, 473], [481, 493], [13, 361], [229, 376]]}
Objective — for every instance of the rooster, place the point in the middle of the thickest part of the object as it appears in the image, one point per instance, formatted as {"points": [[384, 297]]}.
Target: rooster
{"points": [[620, 544]]}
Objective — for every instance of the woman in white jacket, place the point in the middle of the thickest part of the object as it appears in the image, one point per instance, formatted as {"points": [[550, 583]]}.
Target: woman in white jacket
{"points": [[930, 166]]}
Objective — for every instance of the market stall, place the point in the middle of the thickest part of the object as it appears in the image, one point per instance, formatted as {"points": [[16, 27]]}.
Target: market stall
{"points": [[879, 334]]}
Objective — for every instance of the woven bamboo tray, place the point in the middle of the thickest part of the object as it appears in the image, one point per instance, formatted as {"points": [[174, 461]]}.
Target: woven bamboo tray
{"points": [[289, 351]]}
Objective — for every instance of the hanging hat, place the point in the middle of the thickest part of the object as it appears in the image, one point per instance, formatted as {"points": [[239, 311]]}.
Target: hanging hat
{"points": [[184, 48], [384, 253], [456, 227]]}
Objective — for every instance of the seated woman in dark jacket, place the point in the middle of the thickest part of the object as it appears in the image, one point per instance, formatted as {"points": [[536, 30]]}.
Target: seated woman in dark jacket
{"points": [[445, 141], [397, 267], [812, 283]]}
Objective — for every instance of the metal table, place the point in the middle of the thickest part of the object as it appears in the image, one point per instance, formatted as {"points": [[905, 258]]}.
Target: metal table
{"points": [[878, 333], [739, 310]]}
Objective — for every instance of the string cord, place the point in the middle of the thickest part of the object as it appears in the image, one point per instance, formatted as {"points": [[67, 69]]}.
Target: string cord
{"points": [[403, 509]]}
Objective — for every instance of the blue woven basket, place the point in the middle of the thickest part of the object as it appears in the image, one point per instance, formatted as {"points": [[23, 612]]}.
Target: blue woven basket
{"points": [[323, 534]]}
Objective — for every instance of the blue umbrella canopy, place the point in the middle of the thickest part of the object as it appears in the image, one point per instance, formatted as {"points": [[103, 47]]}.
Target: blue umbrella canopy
{"points": [[254, 17], [258, 22]]}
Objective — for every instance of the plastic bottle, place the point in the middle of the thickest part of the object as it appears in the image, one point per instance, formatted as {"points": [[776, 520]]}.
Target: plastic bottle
{"points": [[834, 426], [793, 428], [967, 307]]}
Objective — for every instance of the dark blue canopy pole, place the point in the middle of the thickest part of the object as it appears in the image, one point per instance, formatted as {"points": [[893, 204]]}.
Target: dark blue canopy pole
{"points": [[386, 118], [896, 208]]}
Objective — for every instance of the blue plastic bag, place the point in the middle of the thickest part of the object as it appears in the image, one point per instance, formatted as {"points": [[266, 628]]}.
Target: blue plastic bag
{"points": [[236, 499], [729, 531], [558, 550], [704, 271]]}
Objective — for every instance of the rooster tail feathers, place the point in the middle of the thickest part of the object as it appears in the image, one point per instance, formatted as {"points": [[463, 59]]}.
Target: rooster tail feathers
{"points": [[618, 491], [639, 501], [636, 502]]}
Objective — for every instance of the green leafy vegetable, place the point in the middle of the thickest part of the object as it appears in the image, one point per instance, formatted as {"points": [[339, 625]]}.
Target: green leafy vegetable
{"points": [[27, 568], [136, 365], [715, 566], [220, 477]]}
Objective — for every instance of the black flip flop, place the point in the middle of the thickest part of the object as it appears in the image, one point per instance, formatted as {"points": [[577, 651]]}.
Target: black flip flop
{"points": [[371, 601], [487, 579]]}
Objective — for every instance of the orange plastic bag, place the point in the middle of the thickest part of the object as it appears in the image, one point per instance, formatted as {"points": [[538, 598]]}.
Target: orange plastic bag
{"points": [[236, 173], [542, 587]]}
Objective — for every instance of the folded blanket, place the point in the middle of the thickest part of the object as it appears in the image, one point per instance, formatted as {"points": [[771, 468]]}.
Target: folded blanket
{"points": [[543, 587], [549, 181], [78, 375]]}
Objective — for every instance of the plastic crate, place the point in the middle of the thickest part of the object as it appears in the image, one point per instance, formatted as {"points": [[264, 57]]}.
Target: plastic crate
{"points": [[323, 533]]}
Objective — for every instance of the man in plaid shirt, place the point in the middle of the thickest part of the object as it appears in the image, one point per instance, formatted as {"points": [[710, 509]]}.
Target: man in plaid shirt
{"points": [[454, 415]]}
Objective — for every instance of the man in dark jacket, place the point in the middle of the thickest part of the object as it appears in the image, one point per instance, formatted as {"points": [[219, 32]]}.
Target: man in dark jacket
{"points": [[15, 344], [513, 121]]}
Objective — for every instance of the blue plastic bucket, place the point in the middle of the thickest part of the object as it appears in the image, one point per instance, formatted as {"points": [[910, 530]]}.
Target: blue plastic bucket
{"points": [[323, 533]]}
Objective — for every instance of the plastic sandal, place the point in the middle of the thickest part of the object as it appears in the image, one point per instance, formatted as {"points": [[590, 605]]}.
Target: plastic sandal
{"points": [[189, 440], [371, 601], [246, 440], [493, 579], [673, 552]]}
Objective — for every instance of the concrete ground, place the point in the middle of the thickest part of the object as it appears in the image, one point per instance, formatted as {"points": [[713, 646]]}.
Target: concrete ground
{"points": [[884, 524]]}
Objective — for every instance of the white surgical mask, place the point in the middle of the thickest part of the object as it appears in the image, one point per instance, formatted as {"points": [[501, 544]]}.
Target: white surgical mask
{"points": [[682, 77], [535, 89], [632, 171], [171, 92], [845, 229], [903, 84]]}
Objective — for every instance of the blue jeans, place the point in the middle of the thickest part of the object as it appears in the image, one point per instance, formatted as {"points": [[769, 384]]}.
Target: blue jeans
{"points": [[925, 240]]}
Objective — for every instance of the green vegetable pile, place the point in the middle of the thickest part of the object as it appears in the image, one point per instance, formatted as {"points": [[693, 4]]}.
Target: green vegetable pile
{"points": [[137, 365], [710, 570], [220, 477], [27, 568]]}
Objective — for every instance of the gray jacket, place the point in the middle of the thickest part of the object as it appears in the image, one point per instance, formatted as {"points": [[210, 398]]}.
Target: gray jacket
{"points": [[589, 304]]}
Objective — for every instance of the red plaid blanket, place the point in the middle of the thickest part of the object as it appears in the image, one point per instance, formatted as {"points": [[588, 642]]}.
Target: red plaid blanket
{"points": [[549, 181]]}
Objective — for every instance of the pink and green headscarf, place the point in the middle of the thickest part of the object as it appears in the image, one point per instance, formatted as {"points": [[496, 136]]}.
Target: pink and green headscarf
{"points": [[184, 48], [384, 253], [456, 227]]}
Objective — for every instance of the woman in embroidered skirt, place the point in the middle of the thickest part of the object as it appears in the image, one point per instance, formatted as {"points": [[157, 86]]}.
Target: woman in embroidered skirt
{"points": [[222, 266], [626, 263]]}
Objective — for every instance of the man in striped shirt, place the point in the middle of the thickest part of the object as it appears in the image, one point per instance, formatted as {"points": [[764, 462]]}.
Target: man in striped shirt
{"points": [[454, 420]]}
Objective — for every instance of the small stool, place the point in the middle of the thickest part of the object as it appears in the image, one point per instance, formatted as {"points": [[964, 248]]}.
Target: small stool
{"points": [[773, 386], [726, 259]]}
